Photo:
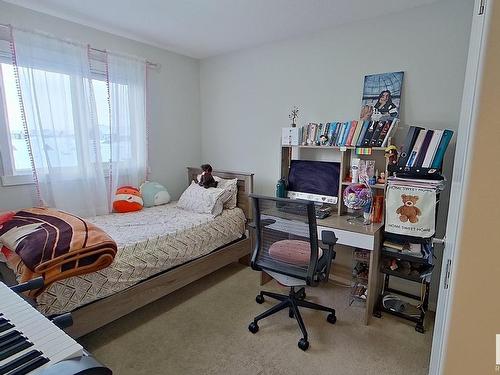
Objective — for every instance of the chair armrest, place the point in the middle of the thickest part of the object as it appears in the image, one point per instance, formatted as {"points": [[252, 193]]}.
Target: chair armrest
{"points": [[328, 237]]}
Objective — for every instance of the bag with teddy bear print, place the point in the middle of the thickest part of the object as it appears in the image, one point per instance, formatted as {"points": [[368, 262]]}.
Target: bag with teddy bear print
{"points": [[410, 210]]}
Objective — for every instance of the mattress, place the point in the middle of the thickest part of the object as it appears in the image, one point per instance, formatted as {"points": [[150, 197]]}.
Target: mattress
{"points": [[149, 242]]}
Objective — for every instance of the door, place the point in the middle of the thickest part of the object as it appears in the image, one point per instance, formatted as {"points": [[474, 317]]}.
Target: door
{"points": [[463, 153]]}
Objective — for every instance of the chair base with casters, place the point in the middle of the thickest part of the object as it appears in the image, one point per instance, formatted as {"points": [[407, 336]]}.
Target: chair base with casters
{"points": [[292, 302]]}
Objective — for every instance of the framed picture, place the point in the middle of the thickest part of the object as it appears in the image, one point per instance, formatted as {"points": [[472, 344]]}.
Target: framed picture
{"points": [[381, 96]]}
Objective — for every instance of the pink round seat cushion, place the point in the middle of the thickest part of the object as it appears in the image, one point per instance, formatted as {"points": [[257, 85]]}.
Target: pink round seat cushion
{"points": [[292, 251]]}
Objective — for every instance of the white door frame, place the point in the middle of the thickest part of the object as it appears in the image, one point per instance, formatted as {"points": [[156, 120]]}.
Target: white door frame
{"points": [[460, 182]]}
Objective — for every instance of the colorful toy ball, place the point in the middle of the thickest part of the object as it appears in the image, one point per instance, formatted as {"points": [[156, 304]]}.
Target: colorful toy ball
{"points": [[154, 194], [127, 199]]}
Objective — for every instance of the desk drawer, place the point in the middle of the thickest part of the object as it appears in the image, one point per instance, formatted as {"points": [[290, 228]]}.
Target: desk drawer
{"points": [[363, 241]]}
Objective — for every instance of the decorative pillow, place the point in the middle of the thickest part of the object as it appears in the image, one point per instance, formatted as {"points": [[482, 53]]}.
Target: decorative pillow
{"points": [[203, 201], [154, 194], [231, 186], [293, 252], [127, 199]]}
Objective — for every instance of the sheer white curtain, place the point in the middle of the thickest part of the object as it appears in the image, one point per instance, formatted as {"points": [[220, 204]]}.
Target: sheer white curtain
{"points": [[127, 98], [79, 154], [60, 118]]}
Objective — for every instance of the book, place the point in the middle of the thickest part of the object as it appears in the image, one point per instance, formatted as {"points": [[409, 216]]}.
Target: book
{"points": [[366, 170], [383, 133], [341, 134], [390, 132], [443, 144], [345, 133], [376, 133], [319, 133], [423, 149], [378, 208], [356, 133], [431, 150], [416, 148], [331, 133], [369, 133], [354, 125], [337, 132], [408, 146], [361, 137]]}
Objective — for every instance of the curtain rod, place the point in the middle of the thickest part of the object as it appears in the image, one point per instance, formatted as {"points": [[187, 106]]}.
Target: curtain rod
{"points": [[148, 63]]}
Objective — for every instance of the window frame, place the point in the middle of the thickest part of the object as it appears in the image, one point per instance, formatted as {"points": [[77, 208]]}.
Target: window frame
{"points": [[9, 176]]}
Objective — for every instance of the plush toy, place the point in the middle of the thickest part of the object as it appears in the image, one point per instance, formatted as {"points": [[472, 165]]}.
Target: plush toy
{"points": [[408, 211], [127, 199], [154, 194], [206, 179], [391, 153]]}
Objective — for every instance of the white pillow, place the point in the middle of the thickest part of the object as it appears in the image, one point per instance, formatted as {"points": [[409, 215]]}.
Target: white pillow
{"points": [[231, 186], [203, 201]]}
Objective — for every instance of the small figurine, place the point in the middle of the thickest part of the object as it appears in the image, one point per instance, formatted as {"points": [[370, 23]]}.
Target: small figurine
{"points": [[323, 140], [391, 153], [381, 179]]}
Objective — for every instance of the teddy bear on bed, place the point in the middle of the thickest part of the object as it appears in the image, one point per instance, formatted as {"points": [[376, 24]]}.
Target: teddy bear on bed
{"points": [[206, 178], [408, 211]]}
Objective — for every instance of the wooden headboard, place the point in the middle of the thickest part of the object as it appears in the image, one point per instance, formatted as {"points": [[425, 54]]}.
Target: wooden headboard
{"points": [[245, 185]]}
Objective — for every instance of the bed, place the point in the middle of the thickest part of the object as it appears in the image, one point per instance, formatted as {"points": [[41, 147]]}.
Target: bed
{"points": [[161, 249]]}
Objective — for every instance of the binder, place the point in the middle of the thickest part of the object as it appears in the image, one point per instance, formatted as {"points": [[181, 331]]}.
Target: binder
{"points": [[416, 148], [376, 133], [443, 144], [331, 132], [409, 143], [431, 150], [383, 133], [391, 131], [346, 132], [423, 150], [369, 134]]}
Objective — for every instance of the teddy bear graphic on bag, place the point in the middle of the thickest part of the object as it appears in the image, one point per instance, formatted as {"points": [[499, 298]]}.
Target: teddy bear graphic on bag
{"points": [[408, 211]]}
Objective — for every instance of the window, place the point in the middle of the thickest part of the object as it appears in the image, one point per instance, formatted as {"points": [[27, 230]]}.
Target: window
{"points": [[59, 137]]}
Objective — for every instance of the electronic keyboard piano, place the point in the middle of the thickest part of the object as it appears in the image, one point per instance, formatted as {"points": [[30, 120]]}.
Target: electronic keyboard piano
{"points": [[32, 344]]}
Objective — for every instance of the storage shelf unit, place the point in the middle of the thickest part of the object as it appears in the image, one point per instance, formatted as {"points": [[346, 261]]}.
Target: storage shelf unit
{"points": [[289, 153]]}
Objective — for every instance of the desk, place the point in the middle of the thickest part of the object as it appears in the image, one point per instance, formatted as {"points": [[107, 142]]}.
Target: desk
{"points": [[367, 237]]}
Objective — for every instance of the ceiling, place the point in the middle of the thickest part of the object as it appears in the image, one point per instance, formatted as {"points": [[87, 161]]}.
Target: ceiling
{"points": [[204, 28]]}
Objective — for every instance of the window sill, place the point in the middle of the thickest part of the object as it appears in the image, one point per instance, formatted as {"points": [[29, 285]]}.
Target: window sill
{"points": [[26, 179]]}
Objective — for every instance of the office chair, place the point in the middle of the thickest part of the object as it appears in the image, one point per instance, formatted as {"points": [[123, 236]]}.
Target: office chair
{"points": [[287, 248]]}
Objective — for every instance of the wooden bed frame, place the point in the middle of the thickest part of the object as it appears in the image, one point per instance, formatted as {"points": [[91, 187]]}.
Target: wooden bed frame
{"points": [[99, 313]]}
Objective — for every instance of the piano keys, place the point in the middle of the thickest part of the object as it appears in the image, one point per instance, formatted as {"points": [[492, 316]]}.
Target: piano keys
{"points": [[29, 342]]}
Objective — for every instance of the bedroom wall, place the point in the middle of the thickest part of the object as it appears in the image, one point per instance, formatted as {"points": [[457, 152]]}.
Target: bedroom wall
{"points": [[246, 96], [175, 101]]}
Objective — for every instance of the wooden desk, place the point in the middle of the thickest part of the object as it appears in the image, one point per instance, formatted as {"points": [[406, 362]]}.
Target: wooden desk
{"points": [[367, 237]]}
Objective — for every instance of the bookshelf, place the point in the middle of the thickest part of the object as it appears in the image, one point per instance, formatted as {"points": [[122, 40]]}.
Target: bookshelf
{"points": [[342, 154]]}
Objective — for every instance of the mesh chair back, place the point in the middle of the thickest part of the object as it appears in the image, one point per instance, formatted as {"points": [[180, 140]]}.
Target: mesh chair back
{"points": [[278, 219]]}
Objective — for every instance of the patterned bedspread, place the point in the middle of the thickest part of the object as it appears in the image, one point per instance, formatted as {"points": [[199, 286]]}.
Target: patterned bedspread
{"points": [[149, 242]]}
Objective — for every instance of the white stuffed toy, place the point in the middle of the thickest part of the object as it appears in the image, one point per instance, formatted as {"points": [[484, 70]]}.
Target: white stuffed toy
{"points": [[154, 194]]}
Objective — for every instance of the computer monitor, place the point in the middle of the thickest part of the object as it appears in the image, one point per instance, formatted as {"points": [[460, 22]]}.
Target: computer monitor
{"points": [[314, 180]]}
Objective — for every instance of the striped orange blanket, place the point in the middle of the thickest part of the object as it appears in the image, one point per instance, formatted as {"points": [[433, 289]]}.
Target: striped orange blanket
{"points": [[54, 244]]}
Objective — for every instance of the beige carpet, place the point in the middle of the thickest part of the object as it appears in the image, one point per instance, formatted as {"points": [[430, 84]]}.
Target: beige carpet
{"points": [[202, 329]]}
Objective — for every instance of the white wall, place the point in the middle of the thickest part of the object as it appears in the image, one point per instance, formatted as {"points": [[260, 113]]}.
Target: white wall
{"points": [[246, 96], [175, 104]]}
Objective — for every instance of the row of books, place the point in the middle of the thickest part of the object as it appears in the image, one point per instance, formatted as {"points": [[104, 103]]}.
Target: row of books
{"points": [[424, 147], [349, 133]]}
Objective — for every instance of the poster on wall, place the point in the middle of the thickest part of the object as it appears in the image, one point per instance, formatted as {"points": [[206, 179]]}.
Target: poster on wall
{"points": [[381, 96]]}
